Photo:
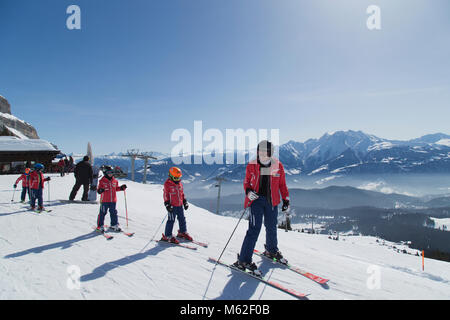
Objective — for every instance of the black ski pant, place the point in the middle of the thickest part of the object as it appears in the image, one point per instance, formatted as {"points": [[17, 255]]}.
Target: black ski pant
{"points": [[76, 187]]}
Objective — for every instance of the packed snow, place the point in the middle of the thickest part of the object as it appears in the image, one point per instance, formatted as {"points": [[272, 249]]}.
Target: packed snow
{"points": [[56, 255], [442, 224]]}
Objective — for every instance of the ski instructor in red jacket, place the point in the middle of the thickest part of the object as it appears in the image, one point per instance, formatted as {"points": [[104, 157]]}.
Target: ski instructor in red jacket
{"points": [[264, 181]]}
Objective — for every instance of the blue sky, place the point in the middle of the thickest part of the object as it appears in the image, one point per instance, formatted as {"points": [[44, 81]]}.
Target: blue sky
{"points": [[137, 70]]}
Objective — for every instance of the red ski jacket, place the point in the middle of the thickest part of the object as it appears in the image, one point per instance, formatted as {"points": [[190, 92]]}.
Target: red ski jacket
{"points": [[110, 187], [173, 192], [25, 182], [277, 181], [36, 180]]}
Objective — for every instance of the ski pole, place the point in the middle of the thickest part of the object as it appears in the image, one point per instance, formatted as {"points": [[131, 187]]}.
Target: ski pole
{"points": [[245, 210], [287, 217], [126, 209], [12, 200], [165, 216], [48, 182]]}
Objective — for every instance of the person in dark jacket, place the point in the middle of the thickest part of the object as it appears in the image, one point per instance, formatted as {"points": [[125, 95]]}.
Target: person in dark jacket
{"points": [[83, 177]]}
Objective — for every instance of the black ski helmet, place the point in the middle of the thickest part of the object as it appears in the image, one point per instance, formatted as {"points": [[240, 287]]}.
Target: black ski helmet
{"points": [[267, 146], [107, 169]]}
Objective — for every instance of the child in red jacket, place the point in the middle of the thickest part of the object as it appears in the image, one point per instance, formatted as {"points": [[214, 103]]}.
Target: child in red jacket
{"points": [[174, 201], [107, 188], [37, 186], [25, 178]]}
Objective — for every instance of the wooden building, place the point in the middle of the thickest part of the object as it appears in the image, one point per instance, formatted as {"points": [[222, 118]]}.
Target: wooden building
{"points": [[16, 153]]}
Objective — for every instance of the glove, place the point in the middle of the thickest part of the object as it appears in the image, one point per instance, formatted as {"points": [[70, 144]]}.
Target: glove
{"points": [[15, 186], [93, 188], [168, 206], [285, 205], [185, 204], [100, 191], [252, 195], [47, 179], [123, 187]]}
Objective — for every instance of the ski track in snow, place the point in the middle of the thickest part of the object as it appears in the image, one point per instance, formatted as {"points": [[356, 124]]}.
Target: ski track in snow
{"points": [[37, 250]]}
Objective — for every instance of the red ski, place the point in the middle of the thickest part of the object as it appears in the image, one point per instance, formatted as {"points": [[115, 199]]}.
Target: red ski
{"points": [[201, 244], [176, 244], [128, 234], [103, 233], [271, 283], [304, 273]]}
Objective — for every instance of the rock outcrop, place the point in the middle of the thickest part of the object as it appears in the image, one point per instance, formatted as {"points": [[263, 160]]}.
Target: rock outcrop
{"points": [[13, 126], [4, 105]]}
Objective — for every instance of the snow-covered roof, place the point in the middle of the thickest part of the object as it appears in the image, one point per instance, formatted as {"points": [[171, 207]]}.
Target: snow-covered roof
{"points": [[8, 143]]}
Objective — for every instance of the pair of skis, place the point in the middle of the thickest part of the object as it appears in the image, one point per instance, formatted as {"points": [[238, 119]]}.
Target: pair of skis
{"points": [[109, 236], [271, 283], [184, 245], [40, 211], [309, 275]]}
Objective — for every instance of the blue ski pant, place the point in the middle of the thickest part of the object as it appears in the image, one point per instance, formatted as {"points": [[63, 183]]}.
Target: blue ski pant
{"points": [[178, 213], [104, 207], [25, 191], [36, 194], [259, 209]]}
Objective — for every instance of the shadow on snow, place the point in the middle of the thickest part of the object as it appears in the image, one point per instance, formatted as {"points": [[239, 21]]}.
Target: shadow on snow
{"points": [[62, 245], [102, 270]]}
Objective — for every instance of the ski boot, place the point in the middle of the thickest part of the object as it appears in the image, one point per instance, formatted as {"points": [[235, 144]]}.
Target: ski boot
{"points": [[250, 266], [100, 229], [115, 228], [277, 256], [170, 240], [184, 235]]}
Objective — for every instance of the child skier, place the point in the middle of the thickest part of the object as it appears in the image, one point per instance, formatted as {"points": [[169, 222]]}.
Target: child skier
{"points": [[37, 186], [107, 188], [174, 201], [25, 178]]}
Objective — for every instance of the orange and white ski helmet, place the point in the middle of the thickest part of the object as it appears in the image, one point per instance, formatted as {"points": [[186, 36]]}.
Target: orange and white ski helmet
{"points": [[175, 174]]}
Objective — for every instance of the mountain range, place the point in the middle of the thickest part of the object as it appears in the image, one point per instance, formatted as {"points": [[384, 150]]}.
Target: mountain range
{"points": [[334, 198], [334, 158]]}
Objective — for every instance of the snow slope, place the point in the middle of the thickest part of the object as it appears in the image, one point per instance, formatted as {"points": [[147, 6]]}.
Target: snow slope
{"points": [[41, 254], [442, 223]]}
